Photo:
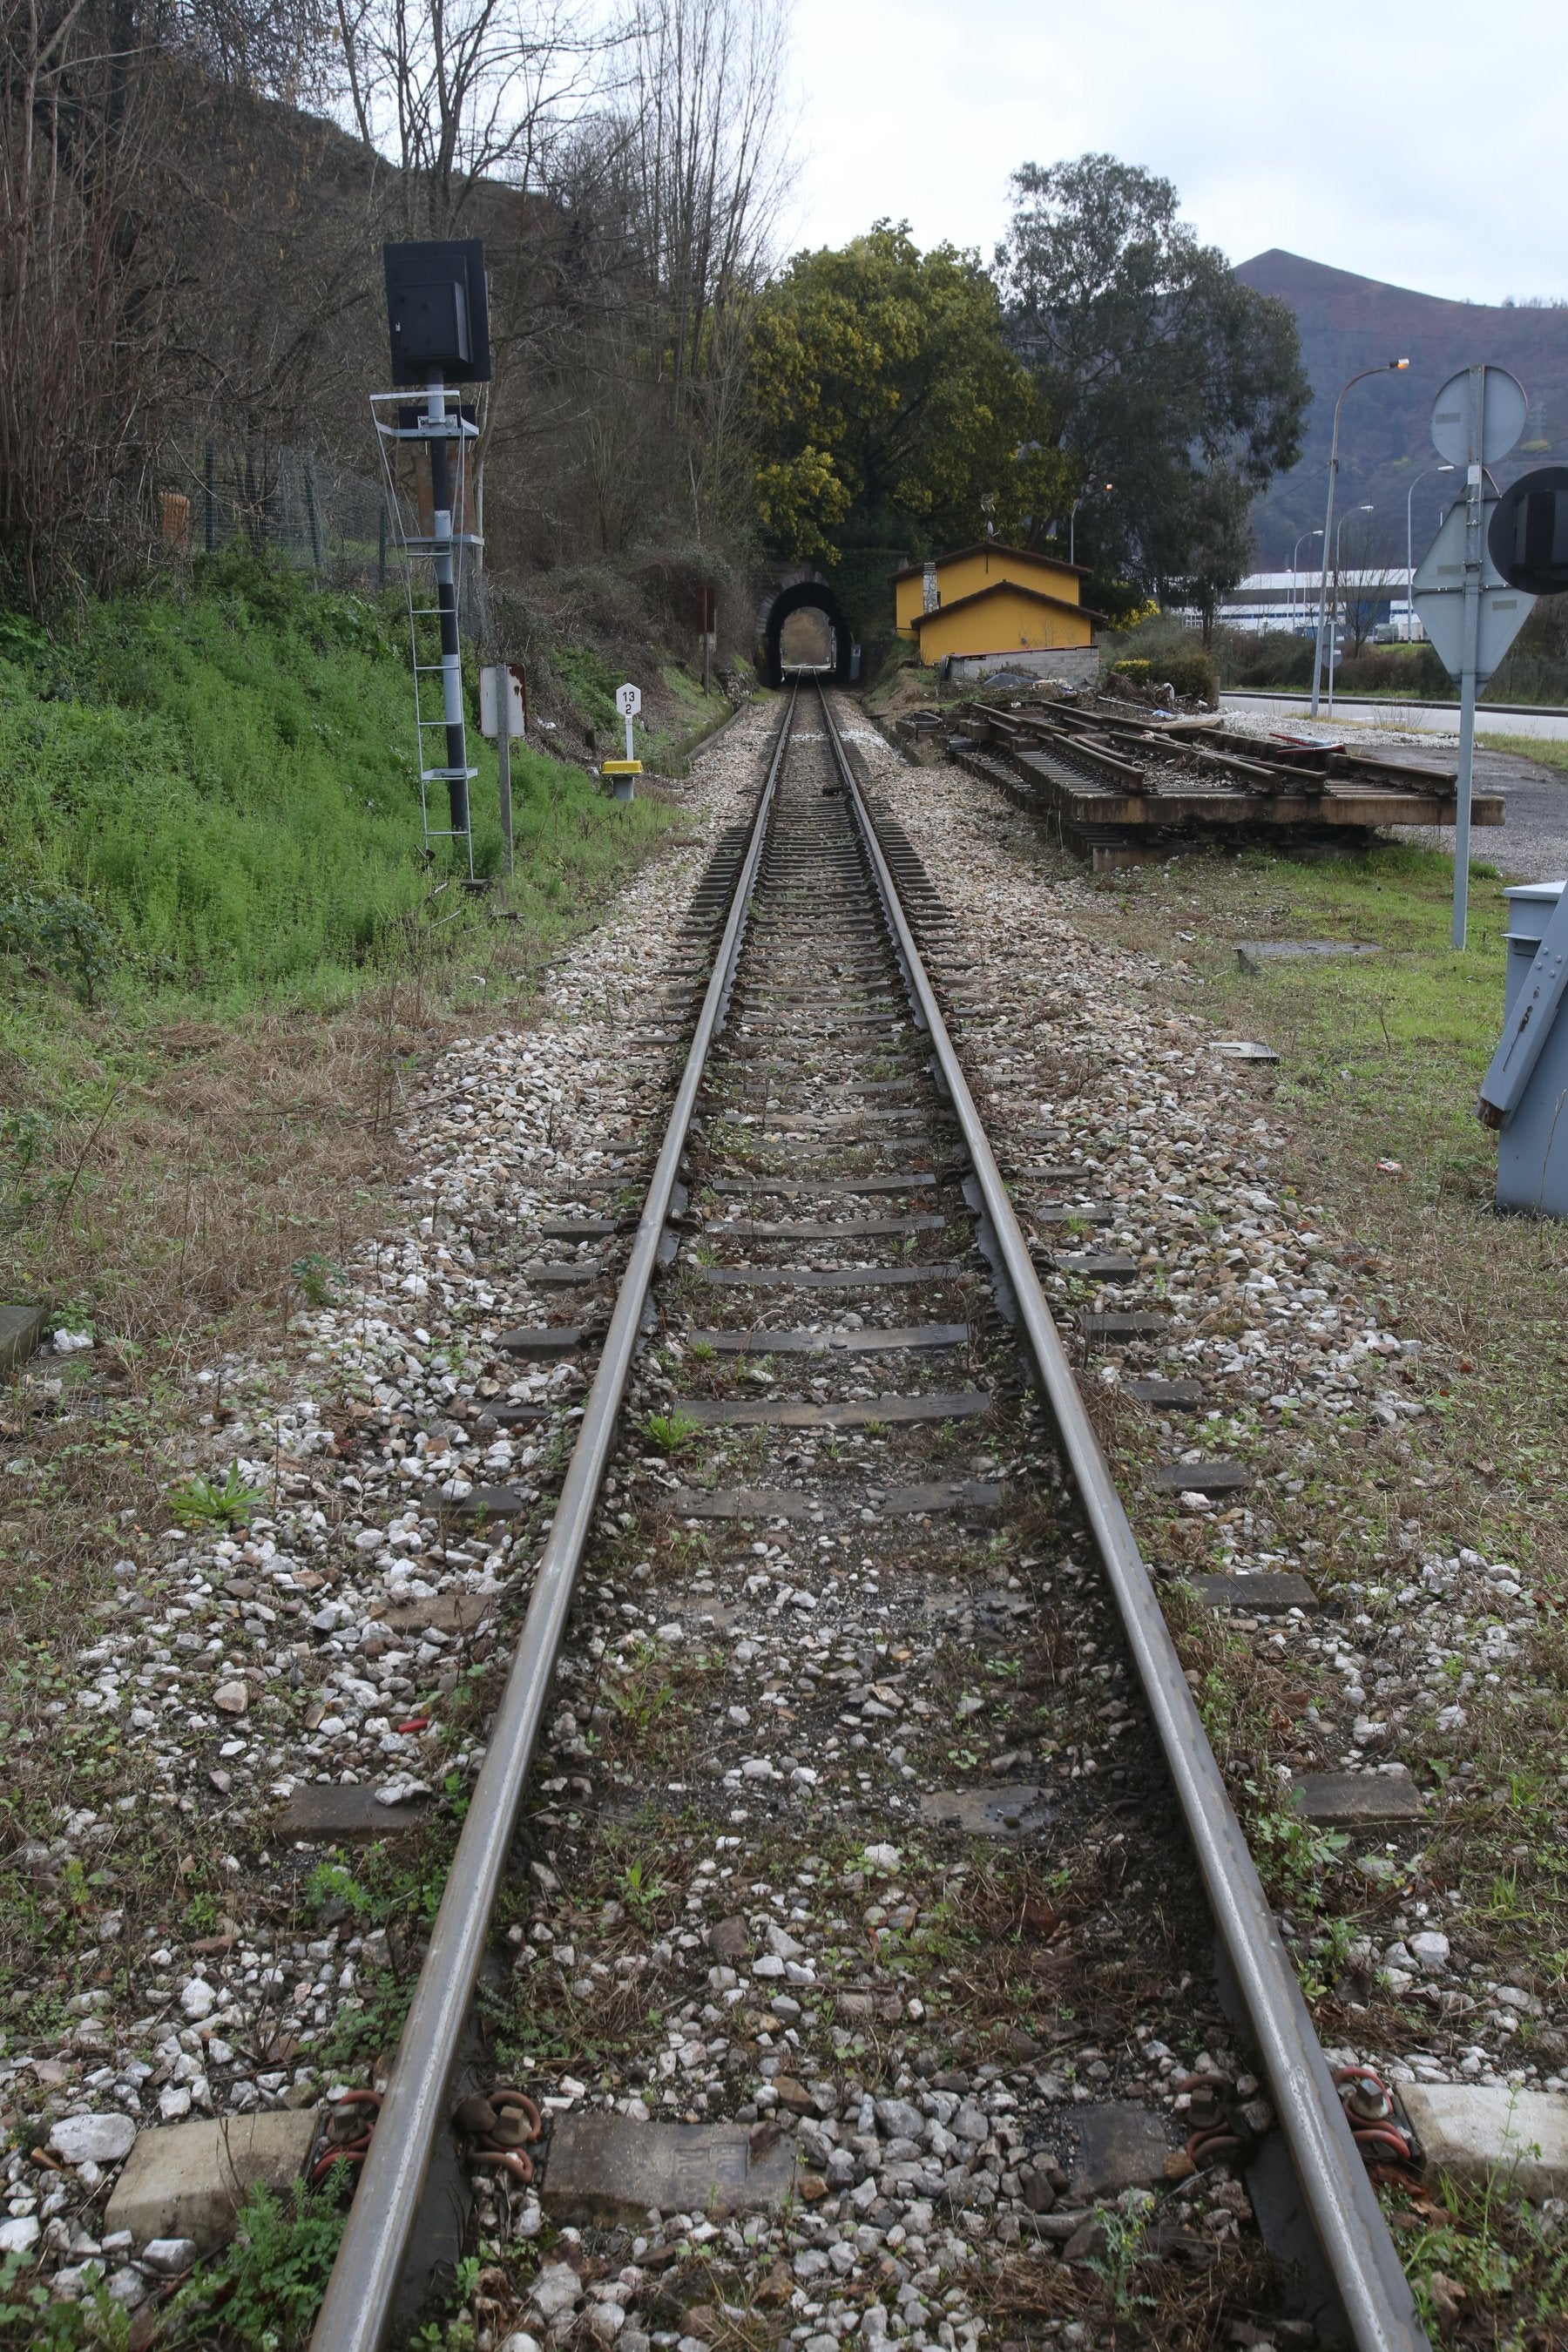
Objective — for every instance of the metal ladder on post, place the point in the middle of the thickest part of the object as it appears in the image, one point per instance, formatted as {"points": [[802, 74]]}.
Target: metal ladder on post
{"points": [[439, 427]]}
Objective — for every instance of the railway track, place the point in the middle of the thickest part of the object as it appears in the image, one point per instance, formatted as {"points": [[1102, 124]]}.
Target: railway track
{"points": [[874, 1840]]}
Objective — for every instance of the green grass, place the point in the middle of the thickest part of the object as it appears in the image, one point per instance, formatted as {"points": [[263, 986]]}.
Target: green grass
{"points": [[224, 777], [224, 951], [1418, 1013], [1545, 753], [591, 683], [1400, 1040]]}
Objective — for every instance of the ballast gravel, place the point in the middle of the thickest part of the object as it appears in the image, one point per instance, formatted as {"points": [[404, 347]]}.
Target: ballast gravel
{"points": [[312, 1651], [1105, 1059]]}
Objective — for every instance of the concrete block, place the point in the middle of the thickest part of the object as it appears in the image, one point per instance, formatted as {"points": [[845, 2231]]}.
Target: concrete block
{"points": [[188, 2180], [21, 1330], [455, 1610], [1202, 1479], [1353, 1799], [1119, 2146], [1253, 954], [1471, 2133], [1167, 1391], [1259, 1593], [491, 1503], [606, 2169], [968, 1494], [741, 1503], [985, 1813], [329, 1813], [541, 1340]]}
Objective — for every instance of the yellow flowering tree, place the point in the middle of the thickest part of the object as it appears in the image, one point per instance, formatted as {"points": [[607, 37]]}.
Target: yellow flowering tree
{"points": [[886, 404]]}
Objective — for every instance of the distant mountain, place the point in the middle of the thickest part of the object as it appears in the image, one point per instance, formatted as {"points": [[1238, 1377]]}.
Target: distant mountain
{"points": [[1348, 323]]}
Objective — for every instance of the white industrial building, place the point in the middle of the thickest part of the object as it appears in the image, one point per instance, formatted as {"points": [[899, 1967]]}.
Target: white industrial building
{"points": [[1289, 601]]}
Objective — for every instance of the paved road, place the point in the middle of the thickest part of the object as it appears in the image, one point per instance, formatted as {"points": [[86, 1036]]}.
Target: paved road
{"points": [[1426, 718]]}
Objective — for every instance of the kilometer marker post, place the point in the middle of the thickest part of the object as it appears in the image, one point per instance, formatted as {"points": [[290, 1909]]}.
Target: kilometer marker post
{"points": [[621, 773]]}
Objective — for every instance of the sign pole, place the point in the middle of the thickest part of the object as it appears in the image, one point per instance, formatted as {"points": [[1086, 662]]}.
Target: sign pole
{"points": [[1476, 583], [1475, 551], [503, 753]]}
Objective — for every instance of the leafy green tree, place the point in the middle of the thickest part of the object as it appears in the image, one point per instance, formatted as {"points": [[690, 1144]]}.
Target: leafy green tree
{"points": [[1154, 367], [886, 403], [1215, 534]]}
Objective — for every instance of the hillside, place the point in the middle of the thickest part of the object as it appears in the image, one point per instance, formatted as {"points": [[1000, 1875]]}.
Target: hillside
{"points": [[1348, 322], [215, 788]]}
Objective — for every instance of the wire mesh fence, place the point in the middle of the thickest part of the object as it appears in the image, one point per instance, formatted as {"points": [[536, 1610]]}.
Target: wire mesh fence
{"points": [[287, 504]]}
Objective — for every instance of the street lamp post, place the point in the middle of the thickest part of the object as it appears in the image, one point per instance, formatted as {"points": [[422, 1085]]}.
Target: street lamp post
{"points": [[1410, 551], [1294, 552], [1364, 508], [1388, 366], [1072, 517]]}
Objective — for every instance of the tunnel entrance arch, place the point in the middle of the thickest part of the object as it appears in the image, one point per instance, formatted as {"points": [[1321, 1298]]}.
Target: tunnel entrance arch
{"points": [[803, 596]]}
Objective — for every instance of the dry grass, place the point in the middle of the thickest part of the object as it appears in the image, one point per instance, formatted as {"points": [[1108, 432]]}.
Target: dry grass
{"points": [[218, 1159], [1176, 2304], [183, 1182], [230, 1158]]}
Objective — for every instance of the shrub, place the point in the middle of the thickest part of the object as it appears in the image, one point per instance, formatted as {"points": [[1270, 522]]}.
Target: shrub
{"points": [[590, 683], [1192, 676], [1187, 672], [1275, 658], [1536, 667], [1395, 670], [61, 933]]}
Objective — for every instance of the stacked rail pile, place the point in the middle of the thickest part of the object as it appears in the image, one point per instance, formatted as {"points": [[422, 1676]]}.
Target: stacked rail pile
{"points": [[1123, 788]]}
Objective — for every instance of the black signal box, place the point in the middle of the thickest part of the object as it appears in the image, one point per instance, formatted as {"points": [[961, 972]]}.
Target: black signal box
{"points": [[1528, 540], [438, 309]]}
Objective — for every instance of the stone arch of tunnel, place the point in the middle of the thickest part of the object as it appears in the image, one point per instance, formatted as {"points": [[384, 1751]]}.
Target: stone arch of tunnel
{"points": [[807, 594]]}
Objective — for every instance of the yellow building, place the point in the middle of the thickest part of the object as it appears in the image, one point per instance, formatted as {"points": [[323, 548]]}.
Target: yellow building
{"points": [[990, 600]]}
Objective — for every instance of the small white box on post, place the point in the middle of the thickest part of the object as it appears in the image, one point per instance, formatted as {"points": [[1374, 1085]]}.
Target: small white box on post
{"points": [[503, 713]]}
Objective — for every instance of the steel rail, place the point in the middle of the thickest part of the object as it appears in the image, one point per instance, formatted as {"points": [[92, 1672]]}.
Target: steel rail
{"points": [[357, 2308], [1349, 2221]]}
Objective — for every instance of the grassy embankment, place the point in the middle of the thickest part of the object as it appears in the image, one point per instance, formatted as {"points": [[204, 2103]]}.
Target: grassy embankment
{"points": [[224, 958], [221, 945]]}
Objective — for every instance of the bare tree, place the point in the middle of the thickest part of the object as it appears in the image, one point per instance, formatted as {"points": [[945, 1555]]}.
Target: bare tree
{"points": [[707, 146], [458, 92], [80, 285], [270, 47], [708, 149], [128, 129], [1369, 578]]}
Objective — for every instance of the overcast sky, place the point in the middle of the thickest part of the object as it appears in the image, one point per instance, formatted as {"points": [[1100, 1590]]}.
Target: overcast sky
{"points": [[1423, 144]]}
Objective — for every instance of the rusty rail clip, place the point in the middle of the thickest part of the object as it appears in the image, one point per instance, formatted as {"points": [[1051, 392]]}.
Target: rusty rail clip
{"points": [[348, 2133], [501, 2142], [1370, 2111]]}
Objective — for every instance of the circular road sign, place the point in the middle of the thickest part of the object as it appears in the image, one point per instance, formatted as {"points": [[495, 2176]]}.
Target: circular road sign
{"points": [[1504, 418], [628, 700], [1527, 538]]}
